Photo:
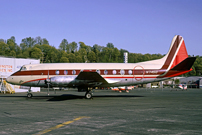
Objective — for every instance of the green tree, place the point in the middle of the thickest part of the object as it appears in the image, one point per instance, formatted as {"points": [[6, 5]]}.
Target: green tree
{"points": [[36, 53], [107, 54], [83, 54], [71, 58], [23, 47], [64, 60], [46, 51], [53, 55], [11, 43], [2, 40], [38, 40], [29, 42], [115, 54], [64, 45], [18, 52], [26, 53], [87, 48], [12, 53], [79, 59], [110, 45], [45, 41], [82, 45], [4, 49], [91, 56], [98, 47], [73, 47]]}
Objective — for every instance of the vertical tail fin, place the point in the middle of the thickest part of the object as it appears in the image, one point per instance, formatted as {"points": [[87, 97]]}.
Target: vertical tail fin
{"points": [[177, 61], [176, 54]]}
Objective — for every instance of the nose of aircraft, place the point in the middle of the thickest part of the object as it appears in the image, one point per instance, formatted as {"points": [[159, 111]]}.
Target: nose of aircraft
{"points": [[9, 79]]}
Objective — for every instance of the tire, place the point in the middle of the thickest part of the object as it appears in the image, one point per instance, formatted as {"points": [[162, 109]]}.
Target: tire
{"points": [[88, 95], [29, 95]]}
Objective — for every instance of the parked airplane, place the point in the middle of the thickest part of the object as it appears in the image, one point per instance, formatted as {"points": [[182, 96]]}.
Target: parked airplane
{"points": [[86, 76], [122, 88], [179, 86], [182, 86]]}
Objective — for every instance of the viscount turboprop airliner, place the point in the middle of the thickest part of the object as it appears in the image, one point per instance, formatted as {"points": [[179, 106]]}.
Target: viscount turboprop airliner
{"points": [[86, 76]]}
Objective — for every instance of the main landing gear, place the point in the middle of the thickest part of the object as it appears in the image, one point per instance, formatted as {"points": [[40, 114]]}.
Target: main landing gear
{"points": [[88, 95], [89, 92]]}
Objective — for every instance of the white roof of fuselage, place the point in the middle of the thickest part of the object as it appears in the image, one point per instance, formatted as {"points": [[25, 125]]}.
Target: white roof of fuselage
{"points": [[154, 64]]}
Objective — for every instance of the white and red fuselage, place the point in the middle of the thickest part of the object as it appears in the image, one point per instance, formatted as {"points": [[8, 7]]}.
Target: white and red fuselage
{"points": [[174, 63]]}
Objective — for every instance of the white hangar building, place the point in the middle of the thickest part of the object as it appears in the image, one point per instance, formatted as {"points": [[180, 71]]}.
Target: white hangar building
{"points": [[10, 65]]}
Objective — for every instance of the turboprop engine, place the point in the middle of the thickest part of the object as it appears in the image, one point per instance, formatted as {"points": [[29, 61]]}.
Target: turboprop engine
{"points": [[61, 80]]}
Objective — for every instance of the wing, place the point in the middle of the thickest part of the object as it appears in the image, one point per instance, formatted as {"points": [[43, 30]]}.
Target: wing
{"points": [[89, 78]]}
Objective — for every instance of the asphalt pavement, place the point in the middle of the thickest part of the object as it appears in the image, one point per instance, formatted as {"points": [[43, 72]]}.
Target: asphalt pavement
{"points": [[140, 112]]}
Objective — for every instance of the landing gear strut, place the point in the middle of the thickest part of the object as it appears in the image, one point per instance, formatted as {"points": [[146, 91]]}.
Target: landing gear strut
{"points": [[29, 94], [89, 93]]}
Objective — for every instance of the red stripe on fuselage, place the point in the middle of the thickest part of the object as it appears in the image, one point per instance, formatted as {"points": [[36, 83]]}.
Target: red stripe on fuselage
{"points": [[110, 72]]}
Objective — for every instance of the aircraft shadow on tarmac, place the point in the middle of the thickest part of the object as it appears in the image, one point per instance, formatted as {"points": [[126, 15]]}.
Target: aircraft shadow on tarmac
{"points": [[70, 97]]}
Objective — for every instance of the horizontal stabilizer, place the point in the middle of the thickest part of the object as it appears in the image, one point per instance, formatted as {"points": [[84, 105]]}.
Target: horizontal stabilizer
{"points": [[185, 64]]}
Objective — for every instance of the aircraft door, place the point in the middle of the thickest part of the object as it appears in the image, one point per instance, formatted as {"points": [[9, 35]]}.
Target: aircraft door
{"points": [[138, 73]]}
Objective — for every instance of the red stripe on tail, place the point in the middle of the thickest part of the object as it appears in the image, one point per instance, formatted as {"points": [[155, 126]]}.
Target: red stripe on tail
{"points": [[181, 55]]}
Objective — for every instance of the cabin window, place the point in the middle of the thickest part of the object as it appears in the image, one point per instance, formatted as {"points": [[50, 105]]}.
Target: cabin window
{"points": [[130, 72], [65, 72], [122, 72], [57, 72], [98, 71], [73, 72], [105, 72], [114, 72]]}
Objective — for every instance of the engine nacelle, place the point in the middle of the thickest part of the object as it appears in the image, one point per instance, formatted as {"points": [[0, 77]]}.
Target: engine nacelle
{"points": [[61, 80]]}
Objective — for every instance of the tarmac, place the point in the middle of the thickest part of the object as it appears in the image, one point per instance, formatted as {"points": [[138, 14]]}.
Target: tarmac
{"points": [[140, 112]]}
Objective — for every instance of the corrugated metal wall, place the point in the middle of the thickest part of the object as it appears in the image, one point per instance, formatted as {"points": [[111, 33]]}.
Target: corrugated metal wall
{"points": [[11, 65]]}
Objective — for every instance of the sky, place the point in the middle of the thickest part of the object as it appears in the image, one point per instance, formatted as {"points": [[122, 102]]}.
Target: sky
{"points": [[139, 26]]}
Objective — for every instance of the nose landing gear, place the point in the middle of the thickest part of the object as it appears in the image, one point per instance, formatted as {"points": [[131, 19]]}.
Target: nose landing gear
{"points": [[29, 94]]}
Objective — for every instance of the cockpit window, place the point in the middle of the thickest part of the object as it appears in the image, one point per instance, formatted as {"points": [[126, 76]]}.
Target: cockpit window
{"points": [[23, 68]]}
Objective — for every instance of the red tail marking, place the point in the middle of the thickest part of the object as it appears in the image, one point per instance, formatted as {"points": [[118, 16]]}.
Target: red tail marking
{"points": [[181, 55], [172, 52]]}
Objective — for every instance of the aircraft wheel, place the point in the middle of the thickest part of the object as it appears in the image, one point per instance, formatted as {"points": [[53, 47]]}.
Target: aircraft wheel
{"points": [[88, 95], [29, 95]]}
